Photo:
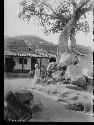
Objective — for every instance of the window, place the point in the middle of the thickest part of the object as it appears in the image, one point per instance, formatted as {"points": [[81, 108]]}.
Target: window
{"points": [[20, 60], [29, 49], [25, 61]]}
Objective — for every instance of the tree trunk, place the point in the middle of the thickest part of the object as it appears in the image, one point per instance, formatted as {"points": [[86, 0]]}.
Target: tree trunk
{"points": [[73, 40], [68, 31]]}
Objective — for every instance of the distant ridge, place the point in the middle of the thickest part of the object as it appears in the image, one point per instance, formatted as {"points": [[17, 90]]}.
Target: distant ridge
{"points": [[17, 43]]}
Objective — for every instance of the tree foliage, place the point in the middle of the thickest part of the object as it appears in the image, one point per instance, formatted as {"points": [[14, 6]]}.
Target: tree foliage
{"points": [[53, 15], [65, 16]]}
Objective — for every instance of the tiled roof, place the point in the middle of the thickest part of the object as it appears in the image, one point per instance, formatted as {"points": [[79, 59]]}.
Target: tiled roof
{"points": [[28, 54]]}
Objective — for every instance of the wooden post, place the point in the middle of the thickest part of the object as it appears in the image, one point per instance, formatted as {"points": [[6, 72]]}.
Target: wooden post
{"points": [[40, 65], [23, 64], [31, 64], [4, 64]]}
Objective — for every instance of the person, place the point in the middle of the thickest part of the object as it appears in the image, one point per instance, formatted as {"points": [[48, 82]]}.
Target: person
{"points": [[43, 71], [31, 74], [51, 68], [63, 70], [37, 74]]}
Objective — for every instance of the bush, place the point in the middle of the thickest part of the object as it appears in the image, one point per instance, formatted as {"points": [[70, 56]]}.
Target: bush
{"points": [[88, 108], [79, 106], [76, 106]]}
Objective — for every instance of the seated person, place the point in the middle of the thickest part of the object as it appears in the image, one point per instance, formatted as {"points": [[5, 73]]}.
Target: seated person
{"points": [[63, 69], [51, 67]]}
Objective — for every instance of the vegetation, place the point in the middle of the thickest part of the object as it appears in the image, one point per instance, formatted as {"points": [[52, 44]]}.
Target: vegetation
{"points": [[17, 43], [65, 16]]}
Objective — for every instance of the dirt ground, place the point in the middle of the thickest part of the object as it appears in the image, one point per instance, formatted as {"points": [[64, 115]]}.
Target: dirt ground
{"points": [[52, 110]]}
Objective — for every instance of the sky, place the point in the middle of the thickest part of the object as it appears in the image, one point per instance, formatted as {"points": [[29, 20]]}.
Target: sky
{"points": [[13, 26]]}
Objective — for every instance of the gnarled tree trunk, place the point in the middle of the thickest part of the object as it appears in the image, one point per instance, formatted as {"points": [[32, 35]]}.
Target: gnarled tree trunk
{"points": [[68, 31]]}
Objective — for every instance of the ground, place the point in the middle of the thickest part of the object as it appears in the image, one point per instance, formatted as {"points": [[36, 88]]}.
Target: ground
{"points": [[53, 110]]}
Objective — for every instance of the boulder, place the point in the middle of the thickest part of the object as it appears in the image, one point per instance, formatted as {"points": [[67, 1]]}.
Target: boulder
{"points": [[85, 82], [80, 82], [89, 86]]}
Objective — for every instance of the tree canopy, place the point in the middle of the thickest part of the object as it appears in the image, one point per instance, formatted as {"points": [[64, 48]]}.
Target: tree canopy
{"points": [[65, 16], [53, 15]]}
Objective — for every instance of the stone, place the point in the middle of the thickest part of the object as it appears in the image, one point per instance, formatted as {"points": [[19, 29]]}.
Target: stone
{"points": [[80, 82]]}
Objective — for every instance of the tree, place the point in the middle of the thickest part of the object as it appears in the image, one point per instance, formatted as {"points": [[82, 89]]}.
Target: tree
{"points": [[65, 16]]}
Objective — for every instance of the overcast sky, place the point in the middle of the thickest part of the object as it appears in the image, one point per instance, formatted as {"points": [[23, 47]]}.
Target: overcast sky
{"points": [[14, 26]]}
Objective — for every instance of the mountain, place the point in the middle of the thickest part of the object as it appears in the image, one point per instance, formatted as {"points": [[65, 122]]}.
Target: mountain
{"points": [[28, 43], [31, 43]]}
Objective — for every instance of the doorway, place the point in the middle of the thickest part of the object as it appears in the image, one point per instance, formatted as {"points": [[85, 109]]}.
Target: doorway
{"points": [[33, 62], [9, 64]]}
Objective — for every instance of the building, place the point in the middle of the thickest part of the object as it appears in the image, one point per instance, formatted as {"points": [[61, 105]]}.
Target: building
{"points": [[24, 62], [21, 54]]}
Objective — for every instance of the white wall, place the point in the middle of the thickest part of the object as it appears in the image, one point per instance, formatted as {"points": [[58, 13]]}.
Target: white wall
{"points": [[19, 66], [28, 65]]}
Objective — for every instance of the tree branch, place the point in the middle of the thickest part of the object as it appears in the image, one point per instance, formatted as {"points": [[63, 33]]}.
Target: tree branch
{"points": [[47, 5], [74, 5], [82, 3], [81, 9], [35, 13], [57, 16], [84, 10]]}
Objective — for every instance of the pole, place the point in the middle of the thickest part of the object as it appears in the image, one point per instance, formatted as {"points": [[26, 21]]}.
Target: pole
{"points": [[23, 64], [40, 65]]}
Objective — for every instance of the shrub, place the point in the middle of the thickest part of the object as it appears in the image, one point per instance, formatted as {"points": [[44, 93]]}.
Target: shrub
{"points": [[76, 106], [79, 106]]}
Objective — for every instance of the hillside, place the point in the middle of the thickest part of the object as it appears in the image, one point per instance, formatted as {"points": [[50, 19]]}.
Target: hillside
{"points": [[30, 43], [19, 43]]}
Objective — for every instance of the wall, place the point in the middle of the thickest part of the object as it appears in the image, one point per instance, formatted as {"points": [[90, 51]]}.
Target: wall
{"points": [[19, 66], [28, 65]]}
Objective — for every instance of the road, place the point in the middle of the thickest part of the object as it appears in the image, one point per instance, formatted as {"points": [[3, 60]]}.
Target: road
{"points": [[52, 111]]}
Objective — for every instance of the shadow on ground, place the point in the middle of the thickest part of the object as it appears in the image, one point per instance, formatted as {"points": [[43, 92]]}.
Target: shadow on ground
{"points": [[75, 87]]}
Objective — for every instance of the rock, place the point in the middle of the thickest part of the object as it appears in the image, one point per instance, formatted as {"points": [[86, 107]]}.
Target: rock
{"points": [[68, 59], [80, 82], [89, 86]]}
